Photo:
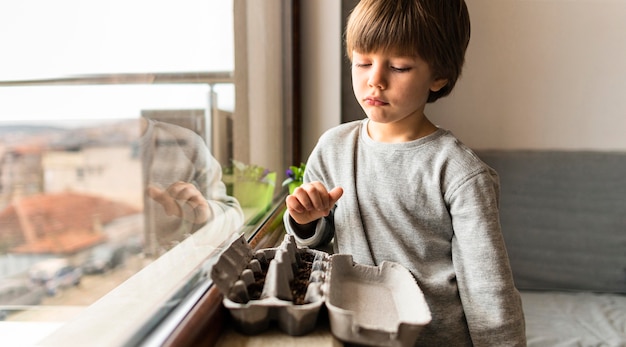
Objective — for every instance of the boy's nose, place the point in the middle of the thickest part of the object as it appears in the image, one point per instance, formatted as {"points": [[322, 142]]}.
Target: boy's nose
{"points": [[377, 78]]}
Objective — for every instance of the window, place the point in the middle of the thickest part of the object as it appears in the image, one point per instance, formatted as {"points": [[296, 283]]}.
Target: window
{"points": [[104, 107]]}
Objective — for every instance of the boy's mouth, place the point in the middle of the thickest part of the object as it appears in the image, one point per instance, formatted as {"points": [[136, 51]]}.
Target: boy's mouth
{"points": [[372, 101]]}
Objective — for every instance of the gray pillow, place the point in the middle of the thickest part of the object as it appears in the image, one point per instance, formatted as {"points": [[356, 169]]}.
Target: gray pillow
{"points": [[563, 217]]}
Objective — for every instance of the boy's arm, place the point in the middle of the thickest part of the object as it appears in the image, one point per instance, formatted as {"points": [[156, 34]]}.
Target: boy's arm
{"points": [[491, 303]]}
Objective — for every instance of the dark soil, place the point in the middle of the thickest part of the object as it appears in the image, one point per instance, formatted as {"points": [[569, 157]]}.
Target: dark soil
{"points": [[255, 289], [298, 285], [301, 278]]}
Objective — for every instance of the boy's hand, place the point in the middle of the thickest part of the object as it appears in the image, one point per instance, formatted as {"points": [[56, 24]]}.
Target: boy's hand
{"points": [[182, 199], [311, 201]]}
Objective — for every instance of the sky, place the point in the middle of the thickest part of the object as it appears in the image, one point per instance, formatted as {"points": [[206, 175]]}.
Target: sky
{"points": [[47, 39]]}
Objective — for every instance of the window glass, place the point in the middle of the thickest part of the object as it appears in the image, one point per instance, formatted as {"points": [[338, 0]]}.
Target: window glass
{"points": [[68, 37], [120, 168]]}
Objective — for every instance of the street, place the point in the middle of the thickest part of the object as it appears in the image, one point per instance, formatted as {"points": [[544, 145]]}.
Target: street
{"points": [[69, 302]]}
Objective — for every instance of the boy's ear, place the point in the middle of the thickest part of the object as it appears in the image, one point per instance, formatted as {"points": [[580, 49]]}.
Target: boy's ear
{"points": [[438, 84]]}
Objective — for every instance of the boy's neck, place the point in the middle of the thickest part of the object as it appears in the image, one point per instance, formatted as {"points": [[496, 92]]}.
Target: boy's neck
{"points": [[404, 131]]}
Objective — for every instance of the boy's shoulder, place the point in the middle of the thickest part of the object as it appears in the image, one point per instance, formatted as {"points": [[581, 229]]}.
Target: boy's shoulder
{"points": [[457, 153], [342, 131], [173, 129]]}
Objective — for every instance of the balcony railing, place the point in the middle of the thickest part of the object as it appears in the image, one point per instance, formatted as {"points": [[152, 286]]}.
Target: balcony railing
{"points": [[216, 132], [210, 78]]}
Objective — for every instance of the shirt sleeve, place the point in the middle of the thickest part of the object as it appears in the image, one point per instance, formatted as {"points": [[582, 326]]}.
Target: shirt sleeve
{"points": [[208, 179], [491, 303], [324, 231]]}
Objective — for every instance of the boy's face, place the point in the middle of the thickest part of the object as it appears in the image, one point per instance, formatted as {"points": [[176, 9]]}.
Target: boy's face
{"points": [[391, 88]]}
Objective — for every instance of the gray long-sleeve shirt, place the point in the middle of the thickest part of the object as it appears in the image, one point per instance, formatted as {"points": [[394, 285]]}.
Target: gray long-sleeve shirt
{"points": [[432, 206]]}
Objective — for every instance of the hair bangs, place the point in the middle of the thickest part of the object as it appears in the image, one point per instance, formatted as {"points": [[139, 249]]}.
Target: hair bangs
{"points": [[385, 26]]}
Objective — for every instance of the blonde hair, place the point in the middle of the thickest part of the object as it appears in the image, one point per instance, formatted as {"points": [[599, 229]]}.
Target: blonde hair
{"points": [[438, 31]]}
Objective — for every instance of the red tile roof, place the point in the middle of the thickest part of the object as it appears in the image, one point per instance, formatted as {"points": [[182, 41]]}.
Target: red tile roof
{"points": [[28, 149], [57, 223]]}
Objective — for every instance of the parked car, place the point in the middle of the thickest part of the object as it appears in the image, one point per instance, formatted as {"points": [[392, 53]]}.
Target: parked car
{"points": [[103, 258], [135, 243], [16, 293], [54, 274]]}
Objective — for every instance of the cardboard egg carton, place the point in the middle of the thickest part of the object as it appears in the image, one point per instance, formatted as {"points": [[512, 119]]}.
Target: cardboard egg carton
{"points": [[371, 305]]}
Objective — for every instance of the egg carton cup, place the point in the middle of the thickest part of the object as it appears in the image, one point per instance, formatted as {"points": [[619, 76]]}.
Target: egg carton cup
{"points": [[370, 305]]}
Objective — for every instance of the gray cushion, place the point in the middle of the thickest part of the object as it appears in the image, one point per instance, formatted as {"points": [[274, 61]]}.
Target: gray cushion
{"points": [[563, 217]]}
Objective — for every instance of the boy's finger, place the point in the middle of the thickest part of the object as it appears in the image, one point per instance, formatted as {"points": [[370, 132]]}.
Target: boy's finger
{"points": [[295, 204], [335, 194], [308, 197], [319, 196]]}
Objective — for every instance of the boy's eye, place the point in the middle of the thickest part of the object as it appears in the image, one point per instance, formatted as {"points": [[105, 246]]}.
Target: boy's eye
{"points": [[361, 64], [400, 69]]}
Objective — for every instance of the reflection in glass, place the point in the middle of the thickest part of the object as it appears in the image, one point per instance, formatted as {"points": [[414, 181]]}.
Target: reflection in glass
{"points": [[183, 184], [82, 209]]}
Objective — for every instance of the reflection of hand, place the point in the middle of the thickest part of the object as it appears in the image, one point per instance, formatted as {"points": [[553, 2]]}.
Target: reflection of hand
{"points": [[312, 201], [182, 199]]}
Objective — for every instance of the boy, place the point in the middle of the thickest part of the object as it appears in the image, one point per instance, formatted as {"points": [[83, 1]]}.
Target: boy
{"points": [[396, 187]]}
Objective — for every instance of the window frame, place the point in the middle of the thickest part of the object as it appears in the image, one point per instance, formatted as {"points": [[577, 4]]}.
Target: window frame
{"points": [[205, 321]]}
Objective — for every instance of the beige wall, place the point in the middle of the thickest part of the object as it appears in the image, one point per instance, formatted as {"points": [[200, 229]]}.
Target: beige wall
{"points": [[540, 74], [321, 68]]}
